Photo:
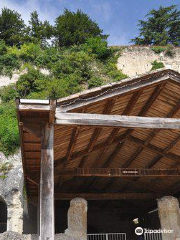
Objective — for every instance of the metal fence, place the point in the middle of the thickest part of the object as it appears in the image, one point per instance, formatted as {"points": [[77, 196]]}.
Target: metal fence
{"points": [[107, 236], [152, 236]]}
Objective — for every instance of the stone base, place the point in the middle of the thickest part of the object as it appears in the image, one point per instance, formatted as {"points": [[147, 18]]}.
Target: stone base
{"points": [[11, 236], [17, 236]]}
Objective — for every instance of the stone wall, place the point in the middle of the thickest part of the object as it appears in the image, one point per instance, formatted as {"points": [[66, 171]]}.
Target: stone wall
{"points": [[136, 60]]}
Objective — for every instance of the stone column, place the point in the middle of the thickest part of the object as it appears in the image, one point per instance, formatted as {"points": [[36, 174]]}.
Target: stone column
{"points": [[169, 214], [77, 219], [15, 215]]}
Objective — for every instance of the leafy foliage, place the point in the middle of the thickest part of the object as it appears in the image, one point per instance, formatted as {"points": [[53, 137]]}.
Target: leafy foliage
{"points": [[95, 82], [12, 27], [39, 31], [75, 28], [9, 135], [158, 49], [81, 59], [157, 65], [98, 47], [8, 61], [162, 27]]}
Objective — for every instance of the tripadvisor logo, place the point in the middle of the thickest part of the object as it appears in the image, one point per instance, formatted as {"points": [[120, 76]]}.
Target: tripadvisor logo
{"points": [[139, 231]]}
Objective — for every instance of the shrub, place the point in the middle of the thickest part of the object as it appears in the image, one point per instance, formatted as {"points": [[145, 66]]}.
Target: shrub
{"points": [[32, 81], [63, 87], [8, 93], [29, 52], [170, 51], [158, 49], [156, 65], [110, 67], [9, 134], [8, 63], [98, 47], [95, 82], [73, 63], [3, 47]]}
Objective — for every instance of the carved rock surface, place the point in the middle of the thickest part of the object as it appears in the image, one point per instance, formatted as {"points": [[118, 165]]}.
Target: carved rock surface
{"points": [[11, 236]]}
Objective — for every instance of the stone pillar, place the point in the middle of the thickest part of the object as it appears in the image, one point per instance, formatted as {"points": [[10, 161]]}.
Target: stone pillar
{"points": [[77, 219], [15, 215], [169, 214]]}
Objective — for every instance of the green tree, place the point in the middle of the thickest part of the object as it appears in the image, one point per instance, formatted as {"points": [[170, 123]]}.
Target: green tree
{"points": [[12, 27], [39, 31], [75, 28], [161, 27]]}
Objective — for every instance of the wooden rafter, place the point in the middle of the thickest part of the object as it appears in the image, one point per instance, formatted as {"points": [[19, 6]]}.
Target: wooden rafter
{"points": [[107, 110], [168, 148], [144, 110], [133, 100], [117, 172], [126, 111], [106, 196]]}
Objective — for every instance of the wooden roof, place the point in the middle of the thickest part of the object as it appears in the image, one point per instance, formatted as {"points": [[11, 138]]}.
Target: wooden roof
{"points": [[153, 95]]}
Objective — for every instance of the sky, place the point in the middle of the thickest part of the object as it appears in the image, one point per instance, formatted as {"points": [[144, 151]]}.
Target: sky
{"points": [[118, 18]]}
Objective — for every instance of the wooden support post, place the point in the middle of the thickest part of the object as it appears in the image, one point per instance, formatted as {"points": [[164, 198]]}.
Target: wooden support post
{"points": [[47, 184]]}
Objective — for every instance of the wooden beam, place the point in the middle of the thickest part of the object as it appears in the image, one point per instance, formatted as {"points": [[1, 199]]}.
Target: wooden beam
{"points": [[107, 196], [47, 184], [102, 120], [117, 172], [34, 108]]}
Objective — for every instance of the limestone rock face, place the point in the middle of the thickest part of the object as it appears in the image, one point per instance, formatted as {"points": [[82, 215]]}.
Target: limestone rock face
{"points": [[136, 60], [11, 191]]}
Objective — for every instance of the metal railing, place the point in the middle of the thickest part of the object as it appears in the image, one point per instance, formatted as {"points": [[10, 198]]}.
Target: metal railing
{"points": [[107, 236], [152, 236]]}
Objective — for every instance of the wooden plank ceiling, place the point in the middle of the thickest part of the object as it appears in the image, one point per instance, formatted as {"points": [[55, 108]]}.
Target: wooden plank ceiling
{"points": [[89, 147]]}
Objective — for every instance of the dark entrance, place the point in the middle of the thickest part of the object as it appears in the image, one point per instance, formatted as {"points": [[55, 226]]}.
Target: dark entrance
{"points": [[3, 216]]}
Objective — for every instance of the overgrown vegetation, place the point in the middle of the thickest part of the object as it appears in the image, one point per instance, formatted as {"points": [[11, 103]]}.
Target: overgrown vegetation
{"points": [[4, 169], [168, 50], [157, 65], [75, 61], [9, 137], [158, 49]]}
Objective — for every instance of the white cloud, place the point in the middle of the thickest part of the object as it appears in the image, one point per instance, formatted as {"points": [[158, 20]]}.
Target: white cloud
{"points": [[46, 11]]}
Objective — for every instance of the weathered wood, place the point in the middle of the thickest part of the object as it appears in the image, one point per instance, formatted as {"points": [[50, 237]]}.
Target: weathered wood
{"points": [[106, 196], [116, 121], [121, 139], [120, 88], [34, 108], [117, 172], [107, 110], [47, 184]]}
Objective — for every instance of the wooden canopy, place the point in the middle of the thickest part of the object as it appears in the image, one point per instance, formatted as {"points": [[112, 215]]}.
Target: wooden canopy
{"points": [[119, 141]]}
